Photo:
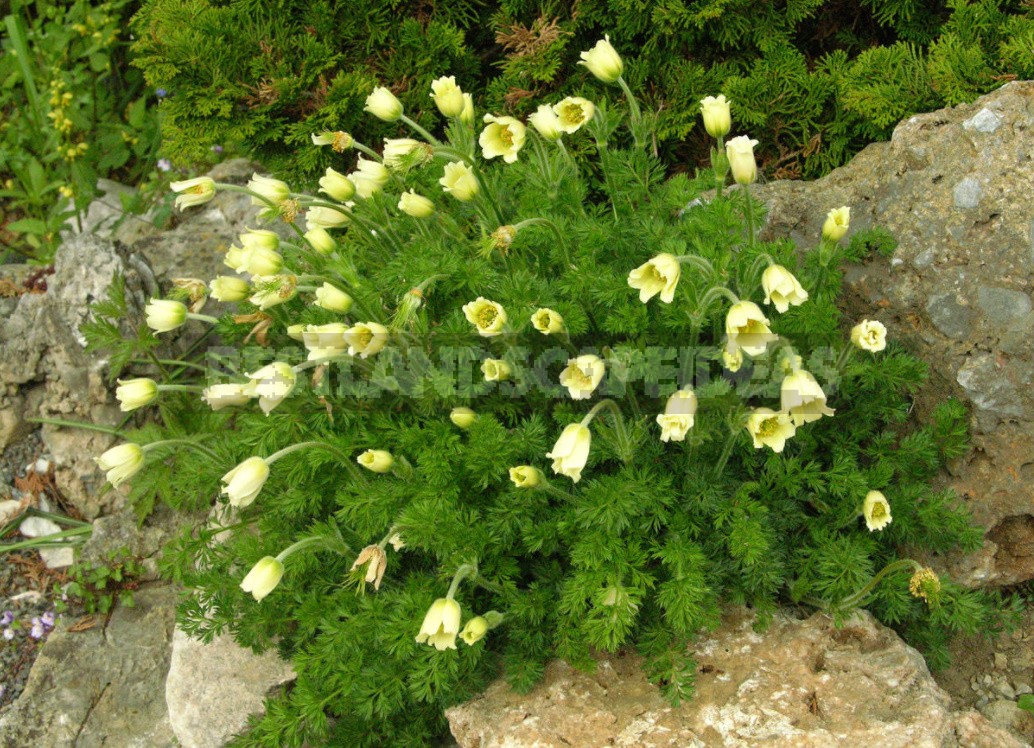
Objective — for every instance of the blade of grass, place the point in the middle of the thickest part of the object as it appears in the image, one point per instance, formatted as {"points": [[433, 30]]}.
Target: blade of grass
{"points": [[21, 47]]}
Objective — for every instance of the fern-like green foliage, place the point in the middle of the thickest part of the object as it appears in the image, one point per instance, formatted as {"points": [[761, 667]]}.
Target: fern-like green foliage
{"points": [[815, 80], [640, 548]]}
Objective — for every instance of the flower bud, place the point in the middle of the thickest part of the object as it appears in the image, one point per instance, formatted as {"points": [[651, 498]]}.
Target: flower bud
{"points": [[337, 186], [782, 288], [320, 217], [260, 238], [383, 105], [459, 181], [226, 288], [603, 61], [447, 96], [740, 152], [415, 205], [163, 315], [803, 398], [271, 189], [495, 370], [369, 177], [135, 393], [659, 275], [546, 123], [403, 153], [467, 115], [837, 223], [377, 460], [463, 417], [571, 451], [547, 322], [716, 115], [192, 192], [219, 396], [333, 299], [582, 376], [377, 562], [244, 482], [876, 510], [325, 341], [258, 260], [475, 630], [573, 112], [320, 240], [263, 578], [526, 476], [271, 290], [441, 624], [869, 335], [487, 316], [121, 463]]}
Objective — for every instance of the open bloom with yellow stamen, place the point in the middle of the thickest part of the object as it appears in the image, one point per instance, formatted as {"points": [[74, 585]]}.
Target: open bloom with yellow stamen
{"points": [[325, 341], [135, 393], [448, 97], [603, 61], [339, 141], [337, 185], [526, 476], [165, 315], [120, 463], [678, 416], [487, 316], [717, 119], [197, 191], [837, 223], [659, 275], [573, 112], [876, 510], [782, 288], [583, 375], [263, 578], [245, 481], [546, 123], [503, 136], [495, 370], [272, 384], [803, 398], [333, 299], [732, 360], [740, 152], [366, 339], [226, 288], [376, 562], [547, 321], [770, 429], [383, 105], [441, 625], [376, 460], [219, 396], [747, 328], [869, 335], [459, 181], [571, 451]]}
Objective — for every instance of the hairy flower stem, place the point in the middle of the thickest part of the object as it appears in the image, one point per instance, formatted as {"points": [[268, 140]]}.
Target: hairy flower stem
{"points": [[301, 545], [203, 318], [720, 165], [489, 198], [368, 225], [633, 108], [625, 451], [561, 239], [699, 263], [711, 295], [749, 202], [730, 442], [273, 206], [420, 131], [185, 443], [367, 150], [466, 570], [857, 598]]}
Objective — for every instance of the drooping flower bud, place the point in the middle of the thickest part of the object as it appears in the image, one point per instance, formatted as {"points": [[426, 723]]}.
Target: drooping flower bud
{"points": [[782, 288], [463, 417], [678, 416], [245, 481], [603, 61], [263, 578], [441, 625], [383, 105], [164, 315], [448, 97], [571, 451], [135, 393], [121, 462], [377, 460]]}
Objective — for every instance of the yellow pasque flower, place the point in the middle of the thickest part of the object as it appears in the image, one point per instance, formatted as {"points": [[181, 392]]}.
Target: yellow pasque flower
{"points": [[678, 416], [716, 115], [747, 328], [603, 61], [448, 97], [397, 151], [219, 396], [770, 429], [583, 375], [925, 584], [475, 630], [383, 105], [415, 205], [320, 240], [245, 481], [441, 625], [234, 259], [732, 360], [271, 384], [165, 315], [459, 181], [263, 578], [659, 275], [366, 339], [273, 190], [333, 299], [337, 186], [876, 510], [271, 290], [369, 177], [503, 136], [526, 476], [121, 462], [802, 397], [869, 335], [135, 393], [487, 316], [495, 370], [226, 288], [376, 460], [571, 451], [573, 112], [376, 561], [546, 123], [467, 115], [325, 341], [339, 141], [547, 321], [782, 288], [192, 192], [837, 223], [321, 217], [740, 152], [259, 239], [463, 417]]}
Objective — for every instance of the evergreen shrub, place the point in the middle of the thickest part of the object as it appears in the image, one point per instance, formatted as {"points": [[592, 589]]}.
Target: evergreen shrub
{"points": [[815, 80], [494, 405]]}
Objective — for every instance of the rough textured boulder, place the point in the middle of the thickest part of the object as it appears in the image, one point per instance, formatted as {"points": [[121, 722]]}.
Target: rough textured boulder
{"points": [[799, 684], [956, 188]]}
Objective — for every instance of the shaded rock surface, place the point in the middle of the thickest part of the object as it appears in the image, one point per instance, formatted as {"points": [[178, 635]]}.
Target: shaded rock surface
{"points": [[956, 188], [799, 684]]}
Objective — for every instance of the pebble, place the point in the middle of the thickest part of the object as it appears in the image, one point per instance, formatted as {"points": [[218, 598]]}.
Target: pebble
{"points": [[1022, 687], [1005, 690], [1001, 661]]}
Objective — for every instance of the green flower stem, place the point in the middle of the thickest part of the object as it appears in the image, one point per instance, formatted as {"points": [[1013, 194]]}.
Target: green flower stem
{"points": [[730, 442], [362, 222], [846, 354], [57, 539], [245, 191], [720, 164], [59, 518], [305, 445], [624, 443], [633, 107], [699, 263], [184, 442], [857, 598], [466, 570], [712, 295], [420, 131], [203, 318], [77, 425], [180, 388], [387, 538], [172, 362], [567, 154], [301, 545], [561, 239], [558, 492], [750, 215], [367, 150], [483, 190]]}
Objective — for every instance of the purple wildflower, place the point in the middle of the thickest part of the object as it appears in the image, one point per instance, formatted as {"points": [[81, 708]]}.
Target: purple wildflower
{"points": [[164, 164], [47, 619], [7, 618], [161, 93], [37, 631]]}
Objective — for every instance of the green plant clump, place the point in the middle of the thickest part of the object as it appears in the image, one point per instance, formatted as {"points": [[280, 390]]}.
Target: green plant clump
{"points": [[96, 587], [814, 80], [495, 405], [71, 110]]}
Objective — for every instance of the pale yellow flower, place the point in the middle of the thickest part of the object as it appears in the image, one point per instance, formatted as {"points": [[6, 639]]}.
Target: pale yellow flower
{"points": [[803, 398], [121, 462], [547, 321], [459, 181], [369, 177], [716, 116], [782, 288], [397, 151], [325, 341], [383, 105], [322, 217], [837, 223], [546, 123], [502, 136], [271, 290], [165, 315], [659, 275], [770, 429], [582, 376], [740, 152], [333, 299], [448, 97], [526, 476], [376, 562], [603, 61], [271, 384], [475, 630], [487, 316], [244, 482], [320, 240], [415, 205], [219, 396], [571, 451], [441, 625], [747, 328], [869, 335], [339, 141], [678, 416], [876, 510], [366, 339], [226, 288], [263, 578], [260, 260], [467, 115], [732, 360], [337, 186], [197, 191], [135, 393], [573, 112], [376, 460], [495, 370], [463, 417]]}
